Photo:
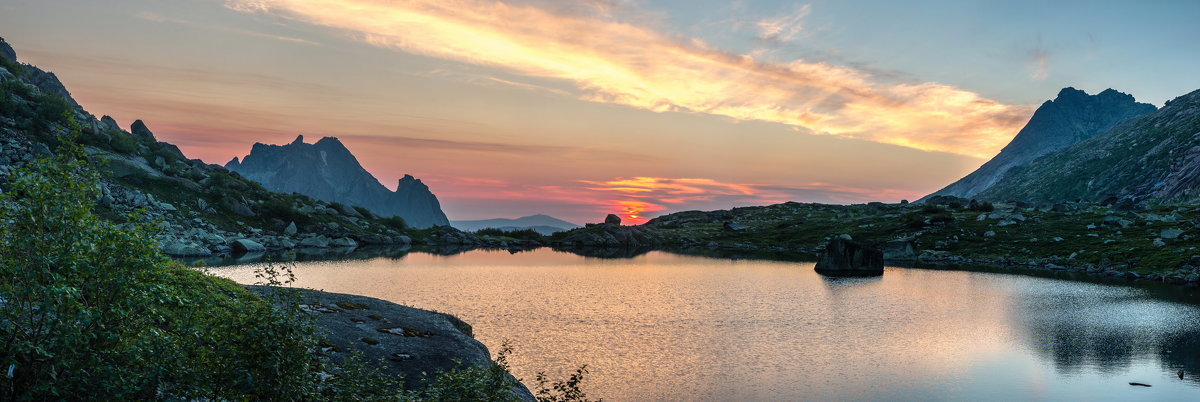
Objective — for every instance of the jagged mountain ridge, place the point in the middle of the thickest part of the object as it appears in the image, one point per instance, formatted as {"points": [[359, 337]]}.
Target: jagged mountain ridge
{"points": [[543, 224], [1152, 157], [1072, 116], [198, 208], [327, 170]]}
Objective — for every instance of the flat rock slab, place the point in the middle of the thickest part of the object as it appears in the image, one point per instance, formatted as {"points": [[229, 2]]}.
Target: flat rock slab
{"points": [[413, 343]]}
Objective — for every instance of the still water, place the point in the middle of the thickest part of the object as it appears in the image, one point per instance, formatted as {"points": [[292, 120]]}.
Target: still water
{"points": [[662, 326]]}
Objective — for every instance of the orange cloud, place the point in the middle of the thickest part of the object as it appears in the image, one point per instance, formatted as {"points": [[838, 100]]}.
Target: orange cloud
{"points": [[615, 62]]}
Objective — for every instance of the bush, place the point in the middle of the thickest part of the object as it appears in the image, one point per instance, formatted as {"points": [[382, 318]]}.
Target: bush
{"points": [[92, 308]]}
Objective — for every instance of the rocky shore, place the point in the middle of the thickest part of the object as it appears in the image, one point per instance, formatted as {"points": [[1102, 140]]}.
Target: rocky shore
{"points": [[408, 343]]}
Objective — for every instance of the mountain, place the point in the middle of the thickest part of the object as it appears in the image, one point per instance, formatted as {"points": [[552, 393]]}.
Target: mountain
{"points": [[326, 170], [1152, 157], [543, 224], [1071, 117], [199, 209]]}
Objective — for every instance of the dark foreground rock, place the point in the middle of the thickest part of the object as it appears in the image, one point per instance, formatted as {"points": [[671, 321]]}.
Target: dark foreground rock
{"points": [[411, 343], [845, 257]]}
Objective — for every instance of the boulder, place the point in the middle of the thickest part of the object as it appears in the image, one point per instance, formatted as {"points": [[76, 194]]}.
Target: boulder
{"points": [[246, 245], [290, 229], [898, 250], [612, 219], [843, 257], [237, 206], [343, 242]]}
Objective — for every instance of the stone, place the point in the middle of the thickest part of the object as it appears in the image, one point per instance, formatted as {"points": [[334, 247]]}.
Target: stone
{"points": [[612, 219], [898, 250], [843, 257], [343, 242], [1159, 242], [989, 234], [237, 206], [246, 245], [315, 241], [733, 227], [290, 229], [1170, 233]]}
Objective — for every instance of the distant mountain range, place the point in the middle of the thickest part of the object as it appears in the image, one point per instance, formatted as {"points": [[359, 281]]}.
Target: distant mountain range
{"points": [[327, 171], [1073, 116], [543, 224]]}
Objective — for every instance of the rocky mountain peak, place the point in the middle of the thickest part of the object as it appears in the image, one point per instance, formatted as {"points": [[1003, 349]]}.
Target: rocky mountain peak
{"points": [[327, 170], [1072, 116]]}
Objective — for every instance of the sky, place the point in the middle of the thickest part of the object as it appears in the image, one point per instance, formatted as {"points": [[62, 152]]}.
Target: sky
{"points": [[582, 108]]}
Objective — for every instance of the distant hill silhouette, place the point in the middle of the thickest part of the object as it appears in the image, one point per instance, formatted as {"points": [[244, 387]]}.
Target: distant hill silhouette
{"points": [[543, 224]]}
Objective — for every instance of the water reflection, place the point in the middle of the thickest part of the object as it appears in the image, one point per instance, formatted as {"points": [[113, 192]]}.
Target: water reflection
{"points": [[661, 326]]}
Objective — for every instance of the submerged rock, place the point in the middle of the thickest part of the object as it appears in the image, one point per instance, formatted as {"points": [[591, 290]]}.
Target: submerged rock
{"points": [[843, 257]]}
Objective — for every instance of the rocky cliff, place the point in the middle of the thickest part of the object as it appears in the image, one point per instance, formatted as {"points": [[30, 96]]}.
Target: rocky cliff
{"points": [[1152, 157], [326, 170], [1071, 117]]}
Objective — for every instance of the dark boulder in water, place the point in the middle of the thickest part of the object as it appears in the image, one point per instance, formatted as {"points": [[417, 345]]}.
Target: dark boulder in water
{"points": [[845, 257]]}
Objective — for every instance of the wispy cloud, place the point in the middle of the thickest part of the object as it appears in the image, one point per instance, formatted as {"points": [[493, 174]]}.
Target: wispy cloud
{"points": [[149, 16], [783, 28], [615, 62], [1039, 69]]}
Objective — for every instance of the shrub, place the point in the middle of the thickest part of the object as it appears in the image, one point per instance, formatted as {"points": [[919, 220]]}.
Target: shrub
{"points": [[394, 222], [92, 308]]}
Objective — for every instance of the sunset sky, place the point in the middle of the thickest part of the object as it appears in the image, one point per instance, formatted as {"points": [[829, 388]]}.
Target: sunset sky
{"points": [[582, 108]]}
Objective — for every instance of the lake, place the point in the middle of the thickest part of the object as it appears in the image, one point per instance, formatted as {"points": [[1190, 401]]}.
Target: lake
{"points": [[663, 326]]}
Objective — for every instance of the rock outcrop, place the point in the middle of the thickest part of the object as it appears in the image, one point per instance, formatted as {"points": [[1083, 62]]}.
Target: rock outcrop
{"points": [[612, 219], [1071, 117], [845, 257], [327, 171], [411, 343]]}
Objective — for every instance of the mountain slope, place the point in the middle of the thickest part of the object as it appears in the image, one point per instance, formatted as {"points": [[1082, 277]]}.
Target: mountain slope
{"points": [[1071, 117], [326, 170], [543, 224], [1155, 156]]}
